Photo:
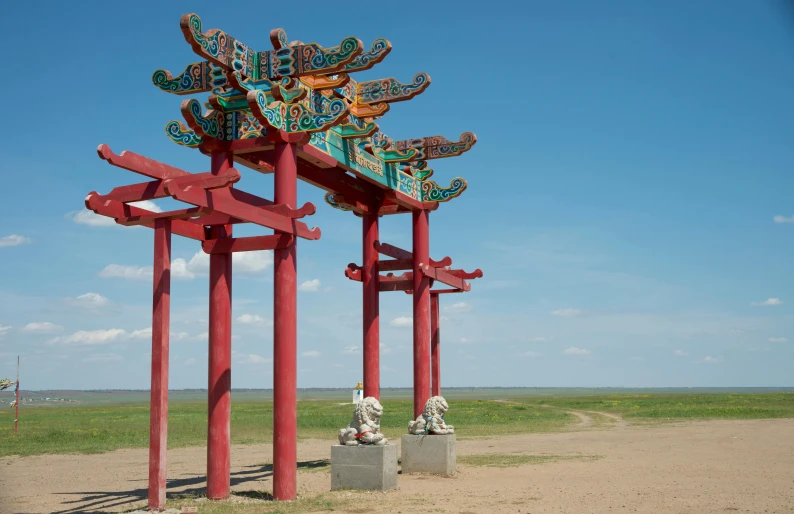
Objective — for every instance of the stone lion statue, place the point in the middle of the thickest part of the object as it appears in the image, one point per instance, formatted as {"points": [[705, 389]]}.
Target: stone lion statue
{"points": [[431, 421], [365, 426]]}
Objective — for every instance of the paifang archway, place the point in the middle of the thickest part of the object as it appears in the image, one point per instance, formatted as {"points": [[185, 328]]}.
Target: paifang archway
{"points": [[295, 112]]}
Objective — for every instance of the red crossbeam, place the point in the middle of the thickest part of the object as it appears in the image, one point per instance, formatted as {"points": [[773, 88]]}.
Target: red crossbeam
{"points": [[445, 277], [247, 244], [139, 164], [407, 264], [117, 210], [242, 205]]}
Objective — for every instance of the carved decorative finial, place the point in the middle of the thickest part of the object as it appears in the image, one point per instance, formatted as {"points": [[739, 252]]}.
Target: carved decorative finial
{"points": [[431, 421], [365, 426]]}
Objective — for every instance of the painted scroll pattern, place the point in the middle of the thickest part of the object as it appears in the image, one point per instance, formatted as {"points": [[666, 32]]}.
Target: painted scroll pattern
{"points": [[198, 77], [390, 90], [297, 117], [432, 192], [330, 199], [182, 135]]}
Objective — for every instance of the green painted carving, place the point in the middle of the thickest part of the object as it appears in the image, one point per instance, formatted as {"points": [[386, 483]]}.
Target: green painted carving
{"points": [[377, 52], [285, 61], [431, 192], [436, 147], [204, 124], [330, 199], [390, 90], [353, 131], [299, 59], [181, 135], [198, 77], [295, 117]]}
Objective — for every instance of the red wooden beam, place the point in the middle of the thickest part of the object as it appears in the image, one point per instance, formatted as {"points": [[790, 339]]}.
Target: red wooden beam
{"points": [[227, 201], [158, 404], [444, 277], [139, 164], [401, 264], [371, 307], [145, 219], [393, 251], [247, 244], [435, 350], [117, 210], [465, 274]]}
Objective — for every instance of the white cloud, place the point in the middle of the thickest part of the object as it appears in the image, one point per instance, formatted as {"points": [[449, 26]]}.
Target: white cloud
{"points": [[778, 340], [402, 321], [708, 359], [90, 337], [253, 358], [311, 354], [538, 339], [190, 361], [352, 350], [466, 340], [127, 272], [148, 205], [4, 329], [384, 349], [103, 357], [14, 240], [251, 262], [567, 312], [310, 286], [99, 337], [458, 307], [144, 333], [769, 302], [254, 319], [680, 353], [89, 300], [530, 354], [199, 264], [784, 219], [42, 327], [576, 351], [90, 218]]}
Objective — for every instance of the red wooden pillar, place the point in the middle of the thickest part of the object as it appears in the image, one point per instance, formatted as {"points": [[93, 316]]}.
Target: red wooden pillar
{"points": [[219, 398], [435, 351], [371, 288], [158, 413], [421, 297], [285, 351]]}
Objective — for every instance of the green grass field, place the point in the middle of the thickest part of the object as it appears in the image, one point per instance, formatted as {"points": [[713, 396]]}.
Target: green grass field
{"points": [[105, 425]]}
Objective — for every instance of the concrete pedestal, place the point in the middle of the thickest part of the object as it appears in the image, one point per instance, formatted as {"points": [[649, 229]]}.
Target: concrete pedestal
{"points": [[364, 467], [428, 454]]}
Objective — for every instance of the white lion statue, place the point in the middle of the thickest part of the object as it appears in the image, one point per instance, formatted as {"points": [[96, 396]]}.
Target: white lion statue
{"points": [[365, 426], [431, 421]]}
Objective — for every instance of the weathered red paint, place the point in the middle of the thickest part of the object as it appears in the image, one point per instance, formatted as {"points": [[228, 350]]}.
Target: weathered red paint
{"points": [[371, 306], [421, 299], [285, 352], [247, 244], [219, 397], [435, 350], [158, 405]]}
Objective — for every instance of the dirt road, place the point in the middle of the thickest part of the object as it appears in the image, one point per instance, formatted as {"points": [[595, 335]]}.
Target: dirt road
{"points": [[715, 466]]}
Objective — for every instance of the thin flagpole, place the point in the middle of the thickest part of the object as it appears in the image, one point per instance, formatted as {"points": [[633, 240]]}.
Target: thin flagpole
{"points": [[16, 403]]}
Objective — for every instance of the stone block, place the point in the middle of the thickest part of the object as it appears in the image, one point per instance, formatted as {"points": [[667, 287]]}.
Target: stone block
{"points": [[428, 454], [366, 467]]}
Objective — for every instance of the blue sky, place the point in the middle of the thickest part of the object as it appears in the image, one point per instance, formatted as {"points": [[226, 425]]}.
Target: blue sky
{"points": [[630, 197]]}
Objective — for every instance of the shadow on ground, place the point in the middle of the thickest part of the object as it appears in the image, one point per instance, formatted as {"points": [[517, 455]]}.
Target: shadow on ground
{"points": [[190, 487]]}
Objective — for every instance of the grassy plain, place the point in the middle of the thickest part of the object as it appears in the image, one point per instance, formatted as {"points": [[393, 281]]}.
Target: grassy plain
{"points": [[99, 426]]}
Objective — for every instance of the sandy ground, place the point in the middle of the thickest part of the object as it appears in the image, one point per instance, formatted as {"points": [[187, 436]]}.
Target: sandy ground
{"points": [[715, 466]]}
